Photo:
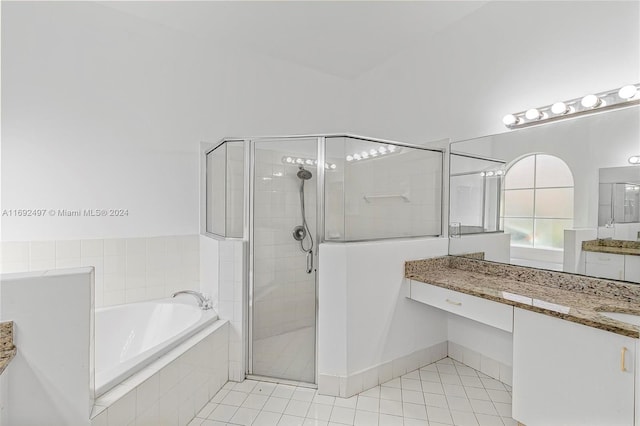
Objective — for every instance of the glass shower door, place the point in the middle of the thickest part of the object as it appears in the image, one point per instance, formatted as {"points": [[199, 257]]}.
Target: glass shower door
{"points": [[284, 245]]}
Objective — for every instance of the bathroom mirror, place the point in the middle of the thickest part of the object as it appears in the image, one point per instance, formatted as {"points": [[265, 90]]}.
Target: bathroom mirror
{"points": [[531, 196], [619, 198]]}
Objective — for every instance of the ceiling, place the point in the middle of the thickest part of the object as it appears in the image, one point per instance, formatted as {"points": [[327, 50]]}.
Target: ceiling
{"points": [[342, 38]]}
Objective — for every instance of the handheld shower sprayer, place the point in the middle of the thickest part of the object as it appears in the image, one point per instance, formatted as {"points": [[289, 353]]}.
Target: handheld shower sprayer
{"points": [[301, 232]]}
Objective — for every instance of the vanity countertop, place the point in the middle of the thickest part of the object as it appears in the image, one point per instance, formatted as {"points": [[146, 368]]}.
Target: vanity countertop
{"points": [[7, 349], [612, 246], [571, 297]]}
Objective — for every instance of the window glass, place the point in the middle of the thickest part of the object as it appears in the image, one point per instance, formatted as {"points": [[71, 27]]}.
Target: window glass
{"points": [[518, 203], [538, 202], [554, 203], [549, 233], [552, 172], [521, 231], [520, 175]]}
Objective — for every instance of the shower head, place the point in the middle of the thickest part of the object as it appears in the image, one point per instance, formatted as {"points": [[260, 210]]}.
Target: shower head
{"points": [[304, 174]]}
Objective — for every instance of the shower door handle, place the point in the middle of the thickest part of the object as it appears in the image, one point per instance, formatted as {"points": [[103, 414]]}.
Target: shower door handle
{"points": [[309, 261]]}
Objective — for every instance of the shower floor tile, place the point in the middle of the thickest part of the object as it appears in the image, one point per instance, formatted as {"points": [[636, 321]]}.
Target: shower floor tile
{"points": [[281, 355], [438, 394]]}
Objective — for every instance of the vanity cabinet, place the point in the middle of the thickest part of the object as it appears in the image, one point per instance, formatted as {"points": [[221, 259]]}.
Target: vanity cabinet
{"points": [[632, 268], [623, 267], [604, 265], [570, 374]]}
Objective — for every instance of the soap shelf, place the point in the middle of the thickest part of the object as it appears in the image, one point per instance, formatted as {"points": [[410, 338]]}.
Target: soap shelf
{"points": [[369, 198]]}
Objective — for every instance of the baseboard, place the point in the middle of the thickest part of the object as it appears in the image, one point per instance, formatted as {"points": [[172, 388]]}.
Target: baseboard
{"points": [[476, 360], [347, 386]]}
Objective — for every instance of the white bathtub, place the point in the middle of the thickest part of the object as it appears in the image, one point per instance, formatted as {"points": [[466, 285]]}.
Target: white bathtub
{"points": [[129, 337]]}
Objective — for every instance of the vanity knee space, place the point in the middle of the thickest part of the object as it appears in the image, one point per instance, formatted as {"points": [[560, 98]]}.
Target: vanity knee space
{"points": [[571, 362]]}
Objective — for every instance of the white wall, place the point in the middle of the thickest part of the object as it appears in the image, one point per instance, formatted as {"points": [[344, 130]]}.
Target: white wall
{"points": [[51, 377], [102, 109], [505, 57], [365, 318]]}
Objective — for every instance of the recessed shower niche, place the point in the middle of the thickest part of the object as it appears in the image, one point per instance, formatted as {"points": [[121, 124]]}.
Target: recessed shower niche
{"points": [[287, 197]]}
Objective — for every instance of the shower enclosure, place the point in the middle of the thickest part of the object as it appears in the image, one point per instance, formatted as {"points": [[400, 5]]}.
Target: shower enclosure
{"points": [[475, 194], [287, 196]]}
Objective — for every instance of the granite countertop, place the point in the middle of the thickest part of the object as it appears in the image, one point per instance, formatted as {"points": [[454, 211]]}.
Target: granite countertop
{"points": [[612, 246], [571, 297], [7, 349]]}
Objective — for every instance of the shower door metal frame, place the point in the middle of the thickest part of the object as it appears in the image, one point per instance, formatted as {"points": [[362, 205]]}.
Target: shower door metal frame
{"points": [[248, 228], [250, 145]]}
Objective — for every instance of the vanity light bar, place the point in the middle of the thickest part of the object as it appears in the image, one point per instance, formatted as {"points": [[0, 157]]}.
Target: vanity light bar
{"points": [[373, 153], [492, 173], [611, 99], [287, 159]]}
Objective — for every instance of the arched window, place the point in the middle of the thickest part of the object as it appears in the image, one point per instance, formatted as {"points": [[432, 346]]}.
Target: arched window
{"points": [[538, 201]]}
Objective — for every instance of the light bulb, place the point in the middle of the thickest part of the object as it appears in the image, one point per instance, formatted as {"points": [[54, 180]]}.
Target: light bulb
{"points": [[559, 108], [289, 160], [373, 152], [332, 167], [391, 148], [489, 174], [533, 114], [356, 157], [382, 150], [364, 154], [349, 158], [510, 120], [300, 161], [500, 172], [326, 165], [634, 159], [483, 174], [309, 162], [591, 101], [627, 92]]}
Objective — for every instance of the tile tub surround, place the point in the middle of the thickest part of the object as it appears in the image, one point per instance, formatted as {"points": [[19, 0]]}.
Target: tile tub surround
{"points": [[126, 269], [571, 297], [612, 246], [172, 389], [7, 348]]}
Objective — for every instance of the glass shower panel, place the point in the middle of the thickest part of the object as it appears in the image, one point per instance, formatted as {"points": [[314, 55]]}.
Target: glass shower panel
{"points": [[283, 320], [216, 190], [234, 224], [475, 193], [225, 189], [380, 190]]}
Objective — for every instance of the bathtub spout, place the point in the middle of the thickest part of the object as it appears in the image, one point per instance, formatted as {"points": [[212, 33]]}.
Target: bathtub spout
{"points": [[203, 302]]}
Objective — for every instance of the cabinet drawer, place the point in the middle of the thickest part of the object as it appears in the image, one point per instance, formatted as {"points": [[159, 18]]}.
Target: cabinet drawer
{"points": [[612, 272], [632, 268], [485, 311], [605, 258]]}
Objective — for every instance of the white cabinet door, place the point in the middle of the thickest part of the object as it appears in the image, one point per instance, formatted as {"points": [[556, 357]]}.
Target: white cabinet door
{"points": [[570, 374], [604, 265], [632, 268]]}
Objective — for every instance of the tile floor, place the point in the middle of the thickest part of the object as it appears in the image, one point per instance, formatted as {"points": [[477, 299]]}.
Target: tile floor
{"points": [[443, 393]]}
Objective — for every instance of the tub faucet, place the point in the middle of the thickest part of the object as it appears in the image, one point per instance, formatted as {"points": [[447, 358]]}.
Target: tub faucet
{"points": [[203, 302]]}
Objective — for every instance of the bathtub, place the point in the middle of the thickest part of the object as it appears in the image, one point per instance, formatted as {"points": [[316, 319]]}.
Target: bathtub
{"points": [[129, 337]]}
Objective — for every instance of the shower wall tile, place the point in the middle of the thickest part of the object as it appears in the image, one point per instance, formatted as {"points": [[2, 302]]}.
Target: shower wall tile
{"points": [[126, 269], [231, 302]]}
